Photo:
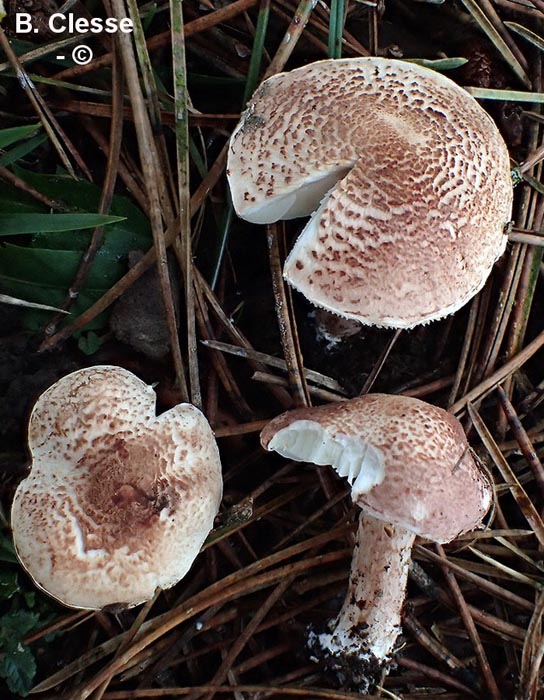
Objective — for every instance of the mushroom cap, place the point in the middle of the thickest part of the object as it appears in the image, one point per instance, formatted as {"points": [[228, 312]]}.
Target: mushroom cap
{"points": [[407, 177], [118, 500], [408, 462]]}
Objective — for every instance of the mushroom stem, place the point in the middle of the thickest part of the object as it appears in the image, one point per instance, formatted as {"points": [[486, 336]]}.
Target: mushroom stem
{"points": [[364, 633]]}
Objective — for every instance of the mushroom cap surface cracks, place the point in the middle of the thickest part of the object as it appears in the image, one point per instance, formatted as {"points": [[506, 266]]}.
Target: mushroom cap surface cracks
{"points": [[431, 486], [412, 174], [119, 500]]}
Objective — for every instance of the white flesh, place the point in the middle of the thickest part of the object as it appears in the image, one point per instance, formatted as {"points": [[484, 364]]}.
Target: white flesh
{"points": [[300, 202]]}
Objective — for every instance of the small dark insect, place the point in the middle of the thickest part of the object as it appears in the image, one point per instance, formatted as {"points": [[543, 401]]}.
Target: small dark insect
{"points": [[253, 122]]}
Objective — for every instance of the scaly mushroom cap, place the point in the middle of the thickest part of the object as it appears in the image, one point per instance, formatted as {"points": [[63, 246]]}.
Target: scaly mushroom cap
{"points": [[408, 462], [412, 175], [119, 500]]}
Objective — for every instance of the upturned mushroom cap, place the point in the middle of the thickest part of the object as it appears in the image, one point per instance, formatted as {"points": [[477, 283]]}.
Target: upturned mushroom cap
{"points": [[118, 501], [406, 175], [407, 461]]}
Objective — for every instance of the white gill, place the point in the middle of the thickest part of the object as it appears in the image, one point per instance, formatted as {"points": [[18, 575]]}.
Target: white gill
{"points": [[306, 441]]}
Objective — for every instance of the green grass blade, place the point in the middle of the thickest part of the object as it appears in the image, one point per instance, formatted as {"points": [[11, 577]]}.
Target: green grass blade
{"points": [[13, 301], [223, 237], [336, 28], [257, 52], [22, 149], [181, 110], [439, 64], [251, 84], [527, 34], [16, 133], [17, 224], [533, 182], [506, 95]]}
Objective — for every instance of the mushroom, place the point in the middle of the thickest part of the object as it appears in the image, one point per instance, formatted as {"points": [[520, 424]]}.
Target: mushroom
{"points": [[406, 177], [118, 500], [411, 473]]}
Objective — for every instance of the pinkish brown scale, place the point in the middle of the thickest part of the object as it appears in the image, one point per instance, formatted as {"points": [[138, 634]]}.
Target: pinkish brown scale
{"points": [[123, 493]]}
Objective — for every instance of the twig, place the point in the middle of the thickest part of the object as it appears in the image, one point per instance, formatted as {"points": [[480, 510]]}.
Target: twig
{"points": [[520, 496], [281, 395], [499, 375], [291, 37], [158, 41], [497, 33], [273, 379], [277, 362], [240, 429], [218, 359], [523, 439], [131, 634], [141, 266], [468, 621], [435, 675], [480, 582], [430, 643], [378, 365], [50, 124], [503, 308], [106, 197], [150, 167], [286, 322], [20, 184], [531, 656], [236, 648], [181, 111], [467, 342], [202, 601], [269, 690]]}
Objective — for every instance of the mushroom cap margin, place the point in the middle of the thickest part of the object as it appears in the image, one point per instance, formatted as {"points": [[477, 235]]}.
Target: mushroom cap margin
{"points": [[432, 485], [413, 229], [115, 508]]}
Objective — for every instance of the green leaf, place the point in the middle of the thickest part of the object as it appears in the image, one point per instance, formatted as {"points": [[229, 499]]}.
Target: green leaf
{"points": [[7, 550], [132, 233], [14, 626], [22, 149], [13, 200], [18, 668], [39, 268], [89, 343], [150, 16], [9, 585], [80, 195], [16, 224], [16, 133], [44, 277], [336, 29], [30, 598], [118, 240], [535, 184], [42, 270], [439, 64]]}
